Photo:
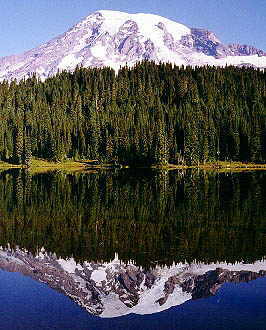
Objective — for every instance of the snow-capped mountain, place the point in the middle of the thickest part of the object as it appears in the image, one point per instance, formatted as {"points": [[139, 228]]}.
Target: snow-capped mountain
{"points": [[117, 288], [111, 38]]}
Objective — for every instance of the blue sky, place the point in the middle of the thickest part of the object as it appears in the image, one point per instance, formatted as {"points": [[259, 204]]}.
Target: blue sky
{"points": [[24, 24]]}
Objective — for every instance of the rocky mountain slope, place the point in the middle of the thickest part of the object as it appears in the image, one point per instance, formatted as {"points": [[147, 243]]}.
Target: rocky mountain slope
{"points": [[117, 288], [110, 38]]}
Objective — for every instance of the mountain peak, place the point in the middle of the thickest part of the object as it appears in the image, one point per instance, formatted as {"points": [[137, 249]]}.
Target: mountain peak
{"points": [[113, 38]]}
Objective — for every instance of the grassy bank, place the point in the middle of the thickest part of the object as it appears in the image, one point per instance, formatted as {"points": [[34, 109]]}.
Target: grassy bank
{"points": [[42, 165], [220, 166], [5, 165]]}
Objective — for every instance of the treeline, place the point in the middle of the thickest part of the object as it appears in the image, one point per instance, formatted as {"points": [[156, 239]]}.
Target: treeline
{"points": [[144, 115], [150, 217]]}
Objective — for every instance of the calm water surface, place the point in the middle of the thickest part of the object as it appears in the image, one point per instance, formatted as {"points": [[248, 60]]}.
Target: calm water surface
{"points": [[149, 249]]}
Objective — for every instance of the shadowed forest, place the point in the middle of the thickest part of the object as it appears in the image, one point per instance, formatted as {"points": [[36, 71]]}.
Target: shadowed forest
{"points": [[147, 216]]}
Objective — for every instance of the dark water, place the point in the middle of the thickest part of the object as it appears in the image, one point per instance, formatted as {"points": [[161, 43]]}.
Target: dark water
{"points": [[151, 217]]}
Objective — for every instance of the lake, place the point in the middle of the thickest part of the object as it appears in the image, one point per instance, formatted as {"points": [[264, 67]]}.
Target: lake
{"points": [[121, 249]]}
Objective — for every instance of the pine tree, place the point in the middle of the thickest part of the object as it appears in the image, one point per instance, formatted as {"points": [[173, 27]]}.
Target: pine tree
{"points": [[27, 154], [18, 145]]}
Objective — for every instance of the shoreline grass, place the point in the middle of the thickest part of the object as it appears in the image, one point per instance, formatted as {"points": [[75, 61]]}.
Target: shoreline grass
{"points": [[219, 166], [41, 165]]}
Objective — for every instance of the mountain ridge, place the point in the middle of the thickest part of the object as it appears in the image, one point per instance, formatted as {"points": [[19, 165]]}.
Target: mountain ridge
{"points": [[115, 39]]}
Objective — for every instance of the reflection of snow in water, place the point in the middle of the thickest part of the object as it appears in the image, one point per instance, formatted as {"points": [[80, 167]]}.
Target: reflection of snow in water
{"points": [[116, 288]]}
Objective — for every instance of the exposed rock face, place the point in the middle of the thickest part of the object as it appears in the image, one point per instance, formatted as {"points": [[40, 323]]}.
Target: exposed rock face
{"points": [[206, 285], [115, 288], [209, 283], [87, 284], [204, 41], [238, 50], [109, 38]]}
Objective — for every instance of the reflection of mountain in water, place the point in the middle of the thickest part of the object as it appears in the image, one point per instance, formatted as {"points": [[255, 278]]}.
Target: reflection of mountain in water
{"points": [[116, 288], [153, 218], [150, 217]]}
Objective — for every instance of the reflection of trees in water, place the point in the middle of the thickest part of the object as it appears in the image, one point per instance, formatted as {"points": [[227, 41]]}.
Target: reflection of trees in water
{"points": [[146, 216]]}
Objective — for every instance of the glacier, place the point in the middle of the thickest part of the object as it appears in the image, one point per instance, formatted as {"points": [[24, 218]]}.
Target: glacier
{"points": [[115, 39]]}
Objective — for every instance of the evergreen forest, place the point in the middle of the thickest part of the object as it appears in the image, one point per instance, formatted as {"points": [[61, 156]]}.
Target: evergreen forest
{"points": [[148, 114]]}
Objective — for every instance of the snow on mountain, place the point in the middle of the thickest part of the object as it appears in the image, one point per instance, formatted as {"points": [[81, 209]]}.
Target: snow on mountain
{"points": [[112, 38], [116, 288]]}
